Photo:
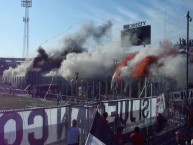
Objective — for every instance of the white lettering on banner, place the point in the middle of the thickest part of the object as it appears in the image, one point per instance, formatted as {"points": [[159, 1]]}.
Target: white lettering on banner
{"points": [[38, 126], [133, 110]]}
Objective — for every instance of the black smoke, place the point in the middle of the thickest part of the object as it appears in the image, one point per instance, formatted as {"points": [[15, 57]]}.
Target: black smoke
{"points": [[72, 44]]}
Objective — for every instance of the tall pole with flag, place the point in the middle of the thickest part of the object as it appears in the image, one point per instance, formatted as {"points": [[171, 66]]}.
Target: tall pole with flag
{"points": [[100, 133]]}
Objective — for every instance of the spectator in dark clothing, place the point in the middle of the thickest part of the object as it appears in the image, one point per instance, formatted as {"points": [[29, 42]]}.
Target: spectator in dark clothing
{"points": [[137, 137], [119, 135], [180, 138], [105, 115], [160, 122]]}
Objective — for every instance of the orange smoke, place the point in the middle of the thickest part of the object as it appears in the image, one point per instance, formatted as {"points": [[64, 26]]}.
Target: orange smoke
{"points": [[143, 66], [122, 64]]}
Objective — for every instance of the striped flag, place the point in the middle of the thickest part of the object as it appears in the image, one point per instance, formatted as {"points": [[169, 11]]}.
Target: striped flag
{"points": [[101, 133]]}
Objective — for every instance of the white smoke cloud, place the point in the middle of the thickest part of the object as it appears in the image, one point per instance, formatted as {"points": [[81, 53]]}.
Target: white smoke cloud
{"points": [[171, 67], [90, 64], [20, 70]]}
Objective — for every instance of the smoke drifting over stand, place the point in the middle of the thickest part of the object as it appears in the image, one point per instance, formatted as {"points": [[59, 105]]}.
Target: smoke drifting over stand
{"points": [[77, 55], [74, 55]]}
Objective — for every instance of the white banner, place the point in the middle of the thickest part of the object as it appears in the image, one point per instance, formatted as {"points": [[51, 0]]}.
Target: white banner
{"points": [[46, 125]]}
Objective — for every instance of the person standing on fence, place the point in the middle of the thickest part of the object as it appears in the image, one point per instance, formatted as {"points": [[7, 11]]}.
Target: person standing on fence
{"points": [[73, 133], [137, 137], [59, 98]]}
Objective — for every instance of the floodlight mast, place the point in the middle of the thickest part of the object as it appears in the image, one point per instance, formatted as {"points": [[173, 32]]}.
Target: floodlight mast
{"points": [[26, 4]]}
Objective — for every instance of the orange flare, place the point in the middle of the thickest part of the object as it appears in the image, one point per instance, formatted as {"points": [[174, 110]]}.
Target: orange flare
{"points": [[122, 64], [142, 67]]}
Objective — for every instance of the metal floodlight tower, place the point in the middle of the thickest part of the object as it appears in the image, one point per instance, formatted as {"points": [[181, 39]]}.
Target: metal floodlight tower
{"points": [[27, 4]]}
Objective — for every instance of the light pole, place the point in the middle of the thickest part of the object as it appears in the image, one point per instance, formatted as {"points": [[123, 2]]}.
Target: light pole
{"points": [[189, 19], [26, 4]]}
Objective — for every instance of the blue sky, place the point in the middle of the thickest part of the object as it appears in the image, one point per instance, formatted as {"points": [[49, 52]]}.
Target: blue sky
{"points": [[52, 19]]}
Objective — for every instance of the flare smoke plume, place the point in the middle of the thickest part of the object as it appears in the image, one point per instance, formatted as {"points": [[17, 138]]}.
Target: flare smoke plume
{"points": [[163, 60]]}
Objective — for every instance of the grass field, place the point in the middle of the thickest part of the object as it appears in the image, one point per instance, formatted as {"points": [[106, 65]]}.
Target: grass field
{"points": [[9, 102]]}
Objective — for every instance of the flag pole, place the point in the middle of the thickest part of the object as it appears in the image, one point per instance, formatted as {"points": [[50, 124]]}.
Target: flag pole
{"points": [[91, 124], [99, 103], [97, 108]]}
